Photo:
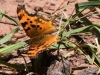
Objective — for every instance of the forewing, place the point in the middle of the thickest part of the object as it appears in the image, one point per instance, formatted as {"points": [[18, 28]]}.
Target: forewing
{"points": [[34, 25]]}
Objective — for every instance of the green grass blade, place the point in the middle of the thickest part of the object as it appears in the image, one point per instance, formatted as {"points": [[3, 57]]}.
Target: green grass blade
{"points": [[97, 58], [8, 36], [90, 3], [76, 30], [66, 23], [10, 18], [55, 46], [1, 16], [93, 0], [10, 48], [89, 59], [80, 6]]}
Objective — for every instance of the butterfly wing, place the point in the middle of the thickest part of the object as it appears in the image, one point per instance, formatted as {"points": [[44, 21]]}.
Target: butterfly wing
{"points": [[39, 30], [41, 43], [32, 24]]}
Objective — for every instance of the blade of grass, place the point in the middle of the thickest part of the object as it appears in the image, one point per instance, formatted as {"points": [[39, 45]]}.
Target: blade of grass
{"points": [[97, 58], [1, 16], [96, 30], [90, 3], [65, 24], [94, 56], [55, 46], [76, 30], [10, 48], [79, 6], [89, 59], [8, 36], [10, 18]]}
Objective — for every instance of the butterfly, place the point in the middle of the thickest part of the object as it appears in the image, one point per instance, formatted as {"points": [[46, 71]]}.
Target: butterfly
{"points": [[38, 29]]}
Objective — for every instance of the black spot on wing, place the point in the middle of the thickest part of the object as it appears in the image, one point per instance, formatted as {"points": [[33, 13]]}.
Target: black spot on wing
{"points": [[27, 29], [30, 21], [24, 24], [40, 27], [33, 26]]}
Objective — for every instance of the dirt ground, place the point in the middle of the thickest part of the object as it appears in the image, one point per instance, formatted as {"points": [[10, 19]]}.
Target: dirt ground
{"points": [[78, 63]]}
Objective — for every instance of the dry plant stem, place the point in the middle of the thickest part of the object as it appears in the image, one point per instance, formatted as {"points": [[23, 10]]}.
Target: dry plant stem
{"points": [[14, 36], [98, 52], [58, 7]]}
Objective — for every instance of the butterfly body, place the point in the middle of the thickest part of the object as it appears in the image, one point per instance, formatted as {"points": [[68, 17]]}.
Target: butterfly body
{"points": [[39, 30]]}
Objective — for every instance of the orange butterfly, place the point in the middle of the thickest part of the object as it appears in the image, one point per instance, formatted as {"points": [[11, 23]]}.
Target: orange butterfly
{"points": [[38, 29]]}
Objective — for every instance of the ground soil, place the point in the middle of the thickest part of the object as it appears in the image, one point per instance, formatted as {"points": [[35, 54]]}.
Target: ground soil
{"points": [[78, 63]]}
